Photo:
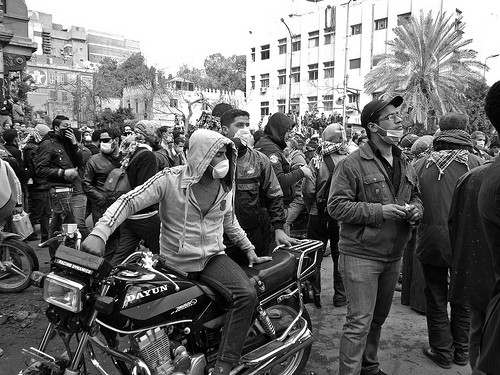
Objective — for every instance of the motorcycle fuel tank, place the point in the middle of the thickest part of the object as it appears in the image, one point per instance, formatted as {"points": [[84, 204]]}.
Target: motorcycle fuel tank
{"points": [[143, 296]]}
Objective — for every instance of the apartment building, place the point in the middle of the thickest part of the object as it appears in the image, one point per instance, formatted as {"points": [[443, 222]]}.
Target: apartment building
{"points": [[317, 61]]}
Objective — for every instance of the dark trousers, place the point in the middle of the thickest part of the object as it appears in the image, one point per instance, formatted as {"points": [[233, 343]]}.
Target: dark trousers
{"points": [[132, 232], [62, 212], [228, 279], [317, 231], [445, 335], [113, 240], [40, 211]]}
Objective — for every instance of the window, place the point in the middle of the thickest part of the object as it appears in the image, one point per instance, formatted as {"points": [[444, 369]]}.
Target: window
{"points": [[252, 56], [264, 80], [328, 103], [137, 105], [352, 98], [282, 46], [403, 18], [265, 52], [296, 74], [252, 83], [355, 64], [381, 24], [356, 29], [64, 97], [328, 68], [281, 105], [52, 77], [53, 95], [312, 103], [313, 72], [264, 109], [282, 77], [313, 39], [376, 60], [294, 104], [174, 103], [329, 36], [296, 44]]}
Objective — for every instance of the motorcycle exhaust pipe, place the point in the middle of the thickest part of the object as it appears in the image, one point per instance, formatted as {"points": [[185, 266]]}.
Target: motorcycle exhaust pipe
{"points": [[309, 339]]}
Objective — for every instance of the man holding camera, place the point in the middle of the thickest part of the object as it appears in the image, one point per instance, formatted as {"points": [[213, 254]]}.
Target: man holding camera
{"points": [[58, 158]]}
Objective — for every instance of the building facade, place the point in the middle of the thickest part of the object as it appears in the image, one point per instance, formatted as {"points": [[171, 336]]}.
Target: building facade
{"points": [[317, 61]]}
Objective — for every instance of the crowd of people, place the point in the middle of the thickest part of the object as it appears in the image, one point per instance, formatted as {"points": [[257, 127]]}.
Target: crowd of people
{"points": [[222, 195]]}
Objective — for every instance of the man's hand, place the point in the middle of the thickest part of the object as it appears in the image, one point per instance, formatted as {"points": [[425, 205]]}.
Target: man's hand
{"points": [[393, 211], [307, 172], [254, 259], [412, 213], [70, 174], [68, 133], [94, 245], [282, 238]]}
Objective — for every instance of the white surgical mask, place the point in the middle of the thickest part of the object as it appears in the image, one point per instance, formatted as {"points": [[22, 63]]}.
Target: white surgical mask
{"points": [[391, 136], [88, 138], [107, 148], [480, 144], [221, 169]]}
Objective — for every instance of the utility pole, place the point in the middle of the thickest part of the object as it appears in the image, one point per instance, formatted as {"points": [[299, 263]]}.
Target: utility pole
{"points": [[290, 72], [346, 59]]}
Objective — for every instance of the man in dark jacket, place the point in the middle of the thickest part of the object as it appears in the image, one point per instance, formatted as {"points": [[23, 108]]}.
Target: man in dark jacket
{"points": [[140, 163], [58, 159], [256, 184], [272, 144], [97, 170], [38, 187], [438, 173], [374, 195], [489, 208]]}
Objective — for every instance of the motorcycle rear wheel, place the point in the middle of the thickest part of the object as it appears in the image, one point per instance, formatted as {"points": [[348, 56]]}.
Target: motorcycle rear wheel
{"points": [[288, 310], [22, 261]]}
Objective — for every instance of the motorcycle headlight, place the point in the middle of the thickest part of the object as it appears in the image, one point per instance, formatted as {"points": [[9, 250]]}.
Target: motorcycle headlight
{"points": [[64, 293]]}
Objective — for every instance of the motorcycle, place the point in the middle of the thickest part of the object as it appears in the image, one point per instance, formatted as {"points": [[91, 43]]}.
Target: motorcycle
{"points": [[150, 319], [17, 262]]}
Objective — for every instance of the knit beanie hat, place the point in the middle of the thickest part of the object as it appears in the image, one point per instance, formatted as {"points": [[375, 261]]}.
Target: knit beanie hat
{"points": [[42, 129]]}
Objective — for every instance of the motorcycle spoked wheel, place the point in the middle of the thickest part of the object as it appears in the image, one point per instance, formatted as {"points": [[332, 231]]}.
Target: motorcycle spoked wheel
{"points": [[288, 310], [23, 259]]}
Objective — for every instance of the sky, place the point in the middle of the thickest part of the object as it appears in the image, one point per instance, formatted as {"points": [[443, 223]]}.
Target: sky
{"points": [[172, 33]]}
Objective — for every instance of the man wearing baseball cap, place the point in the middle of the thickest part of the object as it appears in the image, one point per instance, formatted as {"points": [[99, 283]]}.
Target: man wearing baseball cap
{"points": [[374, 196]]}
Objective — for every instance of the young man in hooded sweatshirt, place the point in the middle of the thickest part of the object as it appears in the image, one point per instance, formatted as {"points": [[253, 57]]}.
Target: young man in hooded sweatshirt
{"points": [[196, 207]]}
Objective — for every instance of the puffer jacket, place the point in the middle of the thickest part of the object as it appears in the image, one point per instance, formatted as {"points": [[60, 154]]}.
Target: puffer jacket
{"points": [[96, 172], [188, 238], [360, 186]]}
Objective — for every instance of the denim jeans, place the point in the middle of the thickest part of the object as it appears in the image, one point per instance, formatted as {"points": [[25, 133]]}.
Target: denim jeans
{"points": [[62, 213], [369, 286], [132, 232], [80, 212], [445, 335], [40, 211], [228, 279], [294, 209], [316, 231]]}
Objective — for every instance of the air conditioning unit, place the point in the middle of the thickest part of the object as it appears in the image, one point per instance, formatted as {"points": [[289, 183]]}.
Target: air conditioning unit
{"points": [[263, 89]]}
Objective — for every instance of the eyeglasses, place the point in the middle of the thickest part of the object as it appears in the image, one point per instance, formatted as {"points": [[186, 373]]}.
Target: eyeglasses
{"points": [[105, 140], [392, 117]]}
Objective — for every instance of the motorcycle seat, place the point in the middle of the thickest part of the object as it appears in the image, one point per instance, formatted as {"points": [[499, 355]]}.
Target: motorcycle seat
{"points": [[270, 275]]}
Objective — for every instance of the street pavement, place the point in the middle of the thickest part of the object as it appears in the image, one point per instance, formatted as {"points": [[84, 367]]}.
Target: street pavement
{"points": [[403, 335]]}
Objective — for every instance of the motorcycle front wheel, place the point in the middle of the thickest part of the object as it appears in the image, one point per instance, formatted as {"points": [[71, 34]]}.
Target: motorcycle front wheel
{"points": [[281, 316], [18, 262]]}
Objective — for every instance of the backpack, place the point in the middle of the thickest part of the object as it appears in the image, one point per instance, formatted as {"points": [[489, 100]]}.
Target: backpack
{"points": [[117, 183], [322, 198]]}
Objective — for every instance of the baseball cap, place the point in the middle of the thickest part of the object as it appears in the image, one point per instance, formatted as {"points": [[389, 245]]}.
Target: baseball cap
{"points": [[375, 106]]}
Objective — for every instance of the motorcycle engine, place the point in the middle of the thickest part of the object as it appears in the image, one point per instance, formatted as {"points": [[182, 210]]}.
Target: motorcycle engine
{"points": [[162, 358]]}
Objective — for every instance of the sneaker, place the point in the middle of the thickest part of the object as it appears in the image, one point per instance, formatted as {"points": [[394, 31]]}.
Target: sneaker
{"points": [[461, 357], [430, 353], [32, 237], [339, 301]]}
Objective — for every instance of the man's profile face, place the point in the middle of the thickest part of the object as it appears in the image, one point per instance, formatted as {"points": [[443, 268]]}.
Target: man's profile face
{"points": [[239, 122]]}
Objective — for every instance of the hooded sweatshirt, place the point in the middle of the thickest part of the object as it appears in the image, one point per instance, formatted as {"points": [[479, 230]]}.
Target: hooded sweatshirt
{"points": [[272, 144], [187, 237]]}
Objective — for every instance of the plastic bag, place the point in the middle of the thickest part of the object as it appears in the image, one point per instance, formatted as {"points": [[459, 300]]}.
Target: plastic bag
{"points": [[21, 224]]}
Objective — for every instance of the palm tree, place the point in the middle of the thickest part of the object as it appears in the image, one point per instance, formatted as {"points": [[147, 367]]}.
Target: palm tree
{"points": [[428, 66]]}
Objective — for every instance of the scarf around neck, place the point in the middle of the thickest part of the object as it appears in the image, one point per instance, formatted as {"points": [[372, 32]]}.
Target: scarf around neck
{"points": [[327, 148], [443, 159]]}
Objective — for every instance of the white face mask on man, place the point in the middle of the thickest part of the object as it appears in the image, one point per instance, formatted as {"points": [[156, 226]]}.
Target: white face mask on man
{"points": [[390, 136], [221, 169], [107, 148]]}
